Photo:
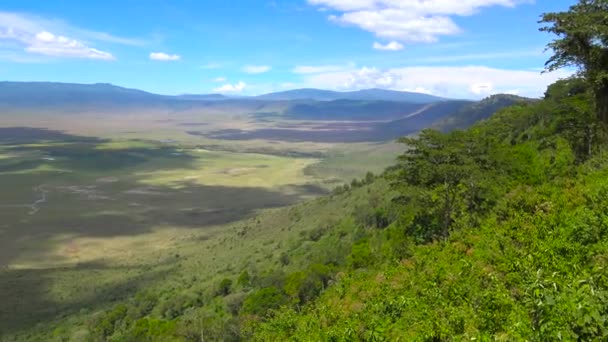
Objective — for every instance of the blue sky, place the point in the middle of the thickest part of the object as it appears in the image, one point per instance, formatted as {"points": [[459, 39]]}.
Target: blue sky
{"points": [[459, 49]]}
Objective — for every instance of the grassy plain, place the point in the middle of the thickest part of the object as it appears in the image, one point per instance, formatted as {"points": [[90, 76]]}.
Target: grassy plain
{"points": [[94, 254], [97, 209]]}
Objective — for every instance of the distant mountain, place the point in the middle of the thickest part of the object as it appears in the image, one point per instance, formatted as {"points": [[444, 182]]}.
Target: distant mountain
{"points": [[361, 124], [350, 110], [203, 97], [359, 95], [45, 94], [477, 111], [36, 94], [382, 114], [412, 118]]}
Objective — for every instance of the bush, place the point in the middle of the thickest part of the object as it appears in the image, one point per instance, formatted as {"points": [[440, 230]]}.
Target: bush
{"points": [[225, 287], [244, 279], [361, 254], [263, 300]]}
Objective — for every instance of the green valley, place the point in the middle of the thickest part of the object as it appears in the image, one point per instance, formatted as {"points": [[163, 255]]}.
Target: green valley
{"points": [[366, 214]]}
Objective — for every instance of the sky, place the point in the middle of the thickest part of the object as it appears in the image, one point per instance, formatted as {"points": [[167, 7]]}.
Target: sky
{"points": [[452, 48]]}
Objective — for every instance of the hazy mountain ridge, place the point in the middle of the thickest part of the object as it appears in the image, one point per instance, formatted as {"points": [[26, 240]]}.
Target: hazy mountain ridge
{"points": [[374, 94], [54, 93], [418, 118], [338, 120]]}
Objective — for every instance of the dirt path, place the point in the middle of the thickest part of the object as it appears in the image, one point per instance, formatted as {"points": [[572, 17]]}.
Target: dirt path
{"points": [[419, 111], [35, 207]]}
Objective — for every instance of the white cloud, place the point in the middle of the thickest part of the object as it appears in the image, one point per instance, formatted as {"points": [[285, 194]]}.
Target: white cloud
{"points": [[164, 57], [256, 69], [231, 88], [485, 88], [219, 79], [47, 37], [509, 55], [319, 69], [46, 43], [392, 46], [420, 90], [447, 81], [407, 20]]}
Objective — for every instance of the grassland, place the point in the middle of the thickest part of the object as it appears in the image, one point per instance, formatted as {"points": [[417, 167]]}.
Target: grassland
{"points": [[66, 279], [100, 208], [92, 216]]}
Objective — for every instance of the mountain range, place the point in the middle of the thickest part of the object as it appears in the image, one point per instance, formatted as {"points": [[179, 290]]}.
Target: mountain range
{"points": [[51, 93], [359, 95], [316, 115]]}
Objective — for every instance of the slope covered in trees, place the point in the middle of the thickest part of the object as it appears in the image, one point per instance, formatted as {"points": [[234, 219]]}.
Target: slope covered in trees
{"points": [[499, 232]]}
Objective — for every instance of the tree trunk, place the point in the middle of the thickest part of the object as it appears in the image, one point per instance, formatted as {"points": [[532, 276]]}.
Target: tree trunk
{"points": [[601, 102], [447, 211]]}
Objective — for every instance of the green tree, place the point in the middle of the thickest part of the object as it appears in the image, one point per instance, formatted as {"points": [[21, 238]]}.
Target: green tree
{"points": [[225, 287], [263, 300], [361, 254], [583, 43], [244, 279], [445, 165]]}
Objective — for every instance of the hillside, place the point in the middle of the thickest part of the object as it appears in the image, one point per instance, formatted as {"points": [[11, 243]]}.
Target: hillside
{"points": [[496, 233], [478, 111], [392, 120], [355, 110]]}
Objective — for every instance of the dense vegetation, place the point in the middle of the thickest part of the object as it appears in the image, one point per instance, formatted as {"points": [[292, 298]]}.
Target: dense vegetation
{"points": [[500, 233]]}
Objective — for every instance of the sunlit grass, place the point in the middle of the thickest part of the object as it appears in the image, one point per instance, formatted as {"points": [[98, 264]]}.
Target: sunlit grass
{"points": [[233, 169]]}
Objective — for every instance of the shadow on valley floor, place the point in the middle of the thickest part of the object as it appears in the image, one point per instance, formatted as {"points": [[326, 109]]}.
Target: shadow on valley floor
{"points": [[129, 211], [29, 297], [30, 135], [85, 156], [82, 190]]}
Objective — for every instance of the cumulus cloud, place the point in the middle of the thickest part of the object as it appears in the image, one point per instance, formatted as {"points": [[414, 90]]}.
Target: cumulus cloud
{"points": [[231, 88], [448, 81], [318, 69], [407, 20], [46, 43], [40, 36], [256, 69], [164, 57], [392, 46]]}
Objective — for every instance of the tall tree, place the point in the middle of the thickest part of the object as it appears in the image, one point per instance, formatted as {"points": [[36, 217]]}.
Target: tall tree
{"points": [[583, 43]]}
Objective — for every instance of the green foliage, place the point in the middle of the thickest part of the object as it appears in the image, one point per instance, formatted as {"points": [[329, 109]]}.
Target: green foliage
{"points": [[262, 301], [108, 322], [148, 329], [501, 235], [306, 285], [244, 279], [361, 254], [225, 287], [582, 41]]}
